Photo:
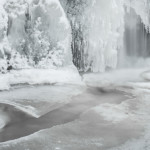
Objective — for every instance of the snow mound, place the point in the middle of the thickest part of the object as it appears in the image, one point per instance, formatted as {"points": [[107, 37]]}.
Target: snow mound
{"points": [[68, 75]]}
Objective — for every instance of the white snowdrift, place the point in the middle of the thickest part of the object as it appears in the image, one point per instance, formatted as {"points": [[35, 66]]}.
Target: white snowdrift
{"points": [[40, 76]]}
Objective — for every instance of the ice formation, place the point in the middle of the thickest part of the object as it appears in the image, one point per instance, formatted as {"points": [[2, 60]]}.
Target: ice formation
{"points": [[97, 30], [142, 8], [37, 33], [105, 33]]}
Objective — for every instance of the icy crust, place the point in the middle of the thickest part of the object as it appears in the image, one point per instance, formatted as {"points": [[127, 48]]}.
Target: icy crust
{"points": [[146, 75], [40, 77], [90, 131], [142, 143], [114, 113], [39, 100]]}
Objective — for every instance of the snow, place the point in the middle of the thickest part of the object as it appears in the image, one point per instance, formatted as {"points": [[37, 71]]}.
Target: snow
{"points": [[114, 77], [120, 123], [39, 100], [142, 143], [40, 76], [4, 83], [35, 104]]}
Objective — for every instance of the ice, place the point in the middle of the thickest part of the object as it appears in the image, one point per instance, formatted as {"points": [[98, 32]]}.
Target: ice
{"points": [[4, 119], [90, 130], [112, 112], [141, 8], [104, 34], [146, 75], [37, 105], [37, 101]]}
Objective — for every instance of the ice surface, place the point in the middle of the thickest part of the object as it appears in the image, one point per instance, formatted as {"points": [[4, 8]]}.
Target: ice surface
{"points": [[89, 131], [104, 33], [114, 113], [36, 101]]}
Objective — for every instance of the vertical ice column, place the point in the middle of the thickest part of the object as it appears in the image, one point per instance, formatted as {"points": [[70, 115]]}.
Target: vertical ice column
{"points": [[105, 21]]}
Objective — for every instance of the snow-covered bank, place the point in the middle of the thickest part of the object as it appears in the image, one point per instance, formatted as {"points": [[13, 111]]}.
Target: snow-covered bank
{"points": [[39, 100], [40, 76], [120, 77]]}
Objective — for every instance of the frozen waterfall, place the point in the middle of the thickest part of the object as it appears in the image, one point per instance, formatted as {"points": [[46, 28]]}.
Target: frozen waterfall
{"points": [[136, 52]]}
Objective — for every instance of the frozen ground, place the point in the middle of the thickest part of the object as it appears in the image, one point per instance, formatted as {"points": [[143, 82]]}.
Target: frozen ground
{"points": [[67, 74], [96, 119]]}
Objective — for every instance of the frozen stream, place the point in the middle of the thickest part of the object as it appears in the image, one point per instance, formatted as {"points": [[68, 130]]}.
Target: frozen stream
{"points": [[80, 123]]}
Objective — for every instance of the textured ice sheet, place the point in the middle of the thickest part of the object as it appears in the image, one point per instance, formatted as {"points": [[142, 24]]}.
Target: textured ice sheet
{"points": [[88, 132], [38, 100], [91, 131]]}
